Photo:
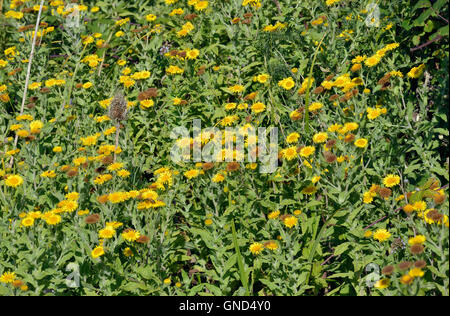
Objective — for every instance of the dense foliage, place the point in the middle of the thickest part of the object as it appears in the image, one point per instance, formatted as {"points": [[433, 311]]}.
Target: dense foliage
{"points": [[92, 203]]}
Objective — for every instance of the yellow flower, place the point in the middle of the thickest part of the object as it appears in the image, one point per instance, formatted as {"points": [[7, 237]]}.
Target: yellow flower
{"points": [[262, 78], [307, 151], [13, 181], [416, 72], [391, 180], [193, 173], [118, 197], [287, 83], [201, 5], [274, 215], [36, 126], [361, 142], [150, 17], [320, 137], [8, 277], [79, 161], [174, 70], [236, 89], [208, 221], [107, 232], [292, 138], [290, 221], [127, 252], [416, 272], [315, 106], [52, 219], [418, 240], [97, 252], [372, 60], [123, 173], [290, 153], [27, 221], [48, 174], [192, 53], [419, 206], [256, 248], [218, 178], [382, 284], [258, 107], [35, 85], [271, 245], [381, 235], [131, 235]]}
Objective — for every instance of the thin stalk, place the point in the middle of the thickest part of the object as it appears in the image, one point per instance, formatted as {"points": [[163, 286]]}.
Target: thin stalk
{"points": [[117, 140], [310, 83], [27, 80]]}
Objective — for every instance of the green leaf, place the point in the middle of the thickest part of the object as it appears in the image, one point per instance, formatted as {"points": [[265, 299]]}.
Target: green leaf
{"points": [[341, 248]]}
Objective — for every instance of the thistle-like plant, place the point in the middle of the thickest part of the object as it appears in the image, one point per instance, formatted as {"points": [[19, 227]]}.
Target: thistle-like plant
{"points": [[118, 113]]}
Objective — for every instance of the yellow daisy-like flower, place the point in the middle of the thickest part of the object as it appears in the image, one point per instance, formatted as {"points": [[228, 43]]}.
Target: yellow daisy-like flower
{"points": [[107, 232], [417, 240], [361, 142], [13, 181], [382, 284], [315, 106], [381, 235], [8, 277], [307, 151], [372, 60], [218, 178], [27, 221], [258, 107], [131, 235], [290, 221], [236, 89], [271, 245], [192, 53], [150, 17], [391, 180], [416, 273], [416, 72], [320, 137], [262, 78], [193, 173], [287, 83], [256, 248], [273, 215], [97, 252], [53, 219], [290, 153], [292, 138]]}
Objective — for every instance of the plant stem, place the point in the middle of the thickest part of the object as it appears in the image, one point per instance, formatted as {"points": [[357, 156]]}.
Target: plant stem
{"points": [[30, 61], [310, 84]]}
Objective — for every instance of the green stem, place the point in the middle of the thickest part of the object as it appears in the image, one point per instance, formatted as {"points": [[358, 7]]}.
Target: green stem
{"points": [[310, 84]]}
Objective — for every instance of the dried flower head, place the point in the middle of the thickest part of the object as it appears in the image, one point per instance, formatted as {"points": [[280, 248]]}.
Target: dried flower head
{"points": [[404, 265], [118, 108], [92, 219], [233, 166], [388, 270], [417, 249], [385, 192], [420, 264]]}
